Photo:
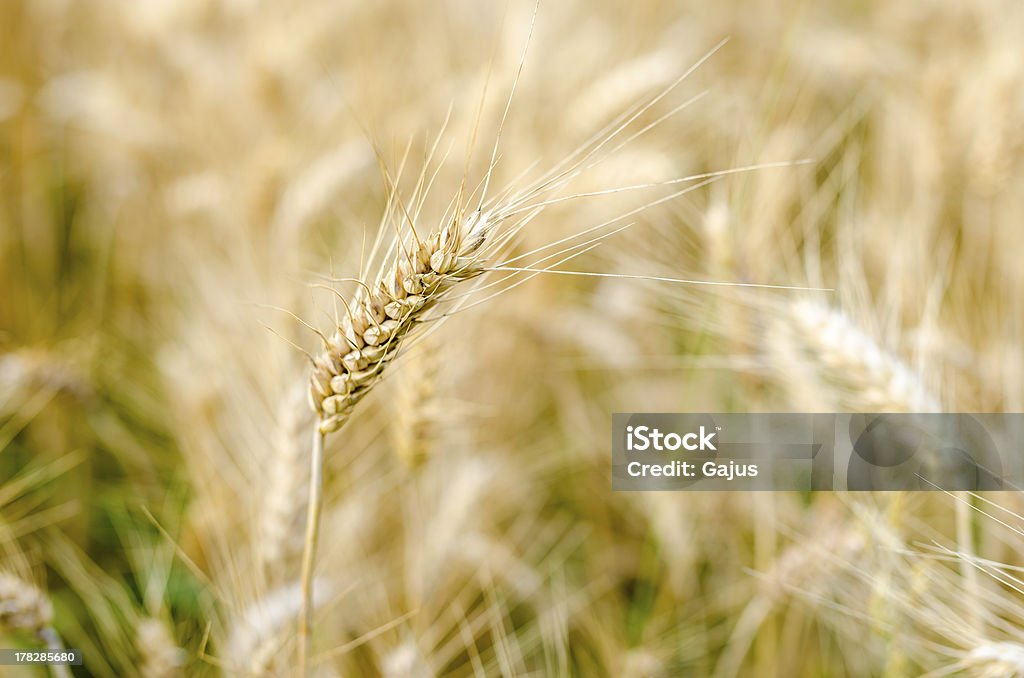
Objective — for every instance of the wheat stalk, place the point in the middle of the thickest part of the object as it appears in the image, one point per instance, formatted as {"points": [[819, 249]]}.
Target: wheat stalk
{"points": [[377, 322], [420, 274]]}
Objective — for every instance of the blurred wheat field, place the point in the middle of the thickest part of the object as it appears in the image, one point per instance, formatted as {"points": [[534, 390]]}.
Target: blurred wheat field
{"points": [[186, 188]]}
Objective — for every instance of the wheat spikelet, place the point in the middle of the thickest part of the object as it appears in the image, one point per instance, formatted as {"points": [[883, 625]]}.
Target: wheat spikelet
{"points": [[995, 145], [313, 188], [808, 567], [621, 86], [420, 273], [261, 630], [405, 660], [23, 607], [997, 660], [800, 379], [870, 378], [160, 654], [28, 369], [413, 432], [384, 312], [280, 517]]}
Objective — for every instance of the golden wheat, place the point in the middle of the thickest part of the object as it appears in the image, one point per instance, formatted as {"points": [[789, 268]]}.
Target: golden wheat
{"points": [[23, 607], [862, 372], [385, 311], [161, 657]]}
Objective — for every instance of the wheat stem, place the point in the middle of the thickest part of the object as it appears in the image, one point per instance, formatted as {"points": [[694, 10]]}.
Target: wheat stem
{"points": [[316, 486], [53, 643], [965, 543]]}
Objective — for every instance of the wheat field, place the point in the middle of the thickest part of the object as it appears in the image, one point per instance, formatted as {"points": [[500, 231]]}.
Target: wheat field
{"points": [[314, 315]]}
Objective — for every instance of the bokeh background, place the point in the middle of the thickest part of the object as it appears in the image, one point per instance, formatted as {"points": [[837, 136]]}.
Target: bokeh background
{"points": [[177, 177]]}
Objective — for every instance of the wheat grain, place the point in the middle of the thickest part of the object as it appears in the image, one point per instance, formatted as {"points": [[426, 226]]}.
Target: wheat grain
{"points": [[385, 312]]}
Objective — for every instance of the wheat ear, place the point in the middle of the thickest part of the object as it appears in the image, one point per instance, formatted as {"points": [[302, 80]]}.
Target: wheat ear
{"points": [[384, 313], [259, 634], [415, 409], [160, 654], [997, 659], [283, 503], [878, 380], [377, 321], [23, 607], [874, 379]]}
